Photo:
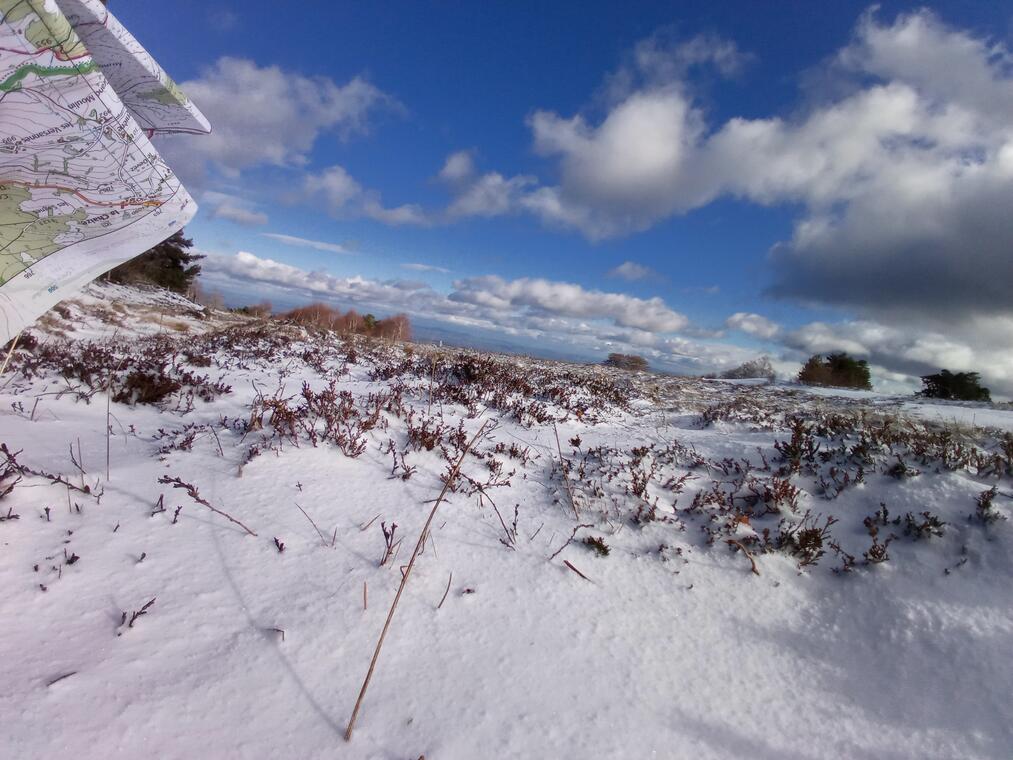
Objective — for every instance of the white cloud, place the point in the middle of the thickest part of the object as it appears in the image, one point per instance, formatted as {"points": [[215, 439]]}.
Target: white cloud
{"points": [[753, 324], [408, 213], [552, 315], [306, 243], [626, 172], [666, 60], [239, 215], [335, 189], [266, 116], [459, 167], [903, 169], [978, 344], [334, 186], [417, 267], [569, 300], [491, 194], [232, 208], [632, 271]]}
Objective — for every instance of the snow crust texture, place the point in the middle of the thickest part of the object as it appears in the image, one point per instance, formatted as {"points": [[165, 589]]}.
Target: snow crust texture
{"points": [[626, 566]]}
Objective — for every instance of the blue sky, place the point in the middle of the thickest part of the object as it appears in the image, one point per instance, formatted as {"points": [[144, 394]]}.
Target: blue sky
{"points": [[698, 184]]}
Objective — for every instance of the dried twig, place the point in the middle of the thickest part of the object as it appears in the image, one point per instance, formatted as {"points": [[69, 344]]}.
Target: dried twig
{"points": [[572, 535], [323, 539], [191, 491], [567, 563], [745, 551], [404, 578], [446, 592], [511, 538], [55, 479], [60, 678]]}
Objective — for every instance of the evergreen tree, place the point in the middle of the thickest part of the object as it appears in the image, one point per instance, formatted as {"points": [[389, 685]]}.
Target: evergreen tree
{"points": [[836, 370], [959, 386], [169, 265]]}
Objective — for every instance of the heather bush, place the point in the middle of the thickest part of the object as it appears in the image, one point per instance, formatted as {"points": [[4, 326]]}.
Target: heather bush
{"points": [[757, 368], [626, 361]]}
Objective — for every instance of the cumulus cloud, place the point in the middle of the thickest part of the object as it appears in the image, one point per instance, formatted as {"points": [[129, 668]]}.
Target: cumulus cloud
{"points": [[459, 167], [336, 190], [901, 168], [319, 245], [904, 176], [624, 173], [492, 194], [266, 116], [569, 300], [407, 213], [631, 271], [232, 208], [980, 345], [916, 216], [753, 324], [552, 315], [246, 268]]}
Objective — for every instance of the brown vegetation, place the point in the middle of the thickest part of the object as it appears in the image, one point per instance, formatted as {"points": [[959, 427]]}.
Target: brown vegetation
{"points": [[397, 327], [626, 361]]}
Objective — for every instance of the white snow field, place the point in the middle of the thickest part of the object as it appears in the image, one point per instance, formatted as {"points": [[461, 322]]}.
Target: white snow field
{"points": [[878, 623]]}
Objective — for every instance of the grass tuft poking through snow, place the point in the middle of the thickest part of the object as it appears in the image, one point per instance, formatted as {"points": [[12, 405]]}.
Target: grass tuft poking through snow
{"points": [[605, 564]]}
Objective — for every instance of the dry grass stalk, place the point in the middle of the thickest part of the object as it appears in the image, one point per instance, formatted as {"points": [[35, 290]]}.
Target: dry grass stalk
{"points": [[10, 354], [323, 539], [566, 474], [451, 578], [567, 563], [109, 396], [60, 678], [404, 578], [432, 382]]}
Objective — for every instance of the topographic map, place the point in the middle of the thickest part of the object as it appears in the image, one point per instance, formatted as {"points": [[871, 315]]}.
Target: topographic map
{"points": [[82, 189]]}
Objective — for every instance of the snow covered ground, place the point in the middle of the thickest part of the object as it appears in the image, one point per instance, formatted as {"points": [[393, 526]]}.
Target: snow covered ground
{"points": [[883, 633]]}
